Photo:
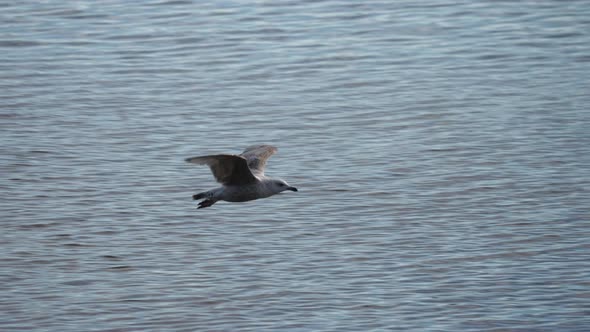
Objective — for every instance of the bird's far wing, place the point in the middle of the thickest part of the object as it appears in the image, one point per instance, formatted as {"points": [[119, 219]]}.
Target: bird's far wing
{"points": [[227, 169], [257, 155]]}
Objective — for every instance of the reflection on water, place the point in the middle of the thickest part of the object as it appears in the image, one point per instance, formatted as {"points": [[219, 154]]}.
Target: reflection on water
{"points": [[440, 149]]}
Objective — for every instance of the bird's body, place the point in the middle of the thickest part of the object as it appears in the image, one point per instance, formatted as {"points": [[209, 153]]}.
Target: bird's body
{"points": [[242, 176], [241, 193]]}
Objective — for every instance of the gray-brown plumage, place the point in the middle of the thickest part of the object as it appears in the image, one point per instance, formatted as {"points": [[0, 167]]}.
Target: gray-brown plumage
{"points": [[242, 176]]}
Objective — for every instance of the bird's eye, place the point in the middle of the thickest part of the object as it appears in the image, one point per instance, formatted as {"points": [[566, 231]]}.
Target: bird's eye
{"points": [[281, 184]]}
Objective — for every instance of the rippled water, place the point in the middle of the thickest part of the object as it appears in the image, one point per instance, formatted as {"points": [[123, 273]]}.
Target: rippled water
{"points": [[441, 150]]}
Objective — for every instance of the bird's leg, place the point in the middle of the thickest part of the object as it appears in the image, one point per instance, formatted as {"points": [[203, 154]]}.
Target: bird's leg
{"points": [[206, 203]]}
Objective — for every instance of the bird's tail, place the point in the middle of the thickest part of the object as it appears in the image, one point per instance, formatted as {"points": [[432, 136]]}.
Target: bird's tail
{"points": [[208, 196], [200, 195]]}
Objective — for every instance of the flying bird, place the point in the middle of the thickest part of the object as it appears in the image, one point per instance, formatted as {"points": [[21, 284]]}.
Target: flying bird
{"points": [[242, 176]]}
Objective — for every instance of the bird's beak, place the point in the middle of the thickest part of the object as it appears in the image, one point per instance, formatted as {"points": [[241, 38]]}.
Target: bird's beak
{"points": [[292, 188]]}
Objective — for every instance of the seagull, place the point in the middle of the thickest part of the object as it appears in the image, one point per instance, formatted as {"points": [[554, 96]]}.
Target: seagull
{"points": [[242, 176]]}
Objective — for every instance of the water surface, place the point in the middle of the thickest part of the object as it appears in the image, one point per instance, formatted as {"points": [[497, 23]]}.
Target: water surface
{"points": [[441, 150]]}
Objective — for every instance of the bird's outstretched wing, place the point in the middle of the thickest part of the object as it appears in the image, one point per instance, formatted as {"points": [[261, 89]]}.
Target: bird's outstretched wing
{"points": [[256, 156], [227, 169]]}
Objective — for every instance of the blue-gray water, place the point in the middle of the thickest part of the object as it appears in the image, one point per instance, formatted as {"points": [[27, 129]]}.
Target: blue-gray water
{"points": [[441, 149]]}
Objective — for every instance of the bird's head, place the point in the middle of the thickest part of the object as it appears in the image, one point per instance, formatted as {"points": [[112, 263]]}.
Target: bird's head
{"points": [[279, 185]]}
